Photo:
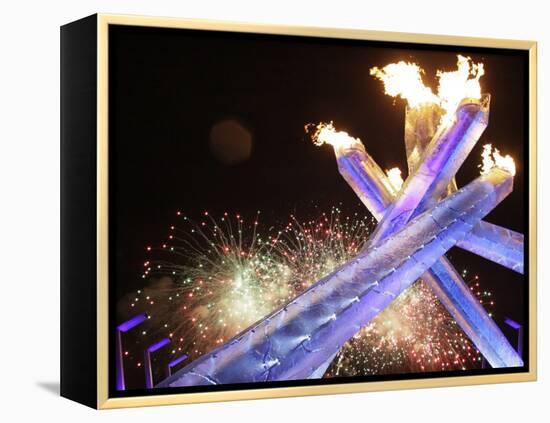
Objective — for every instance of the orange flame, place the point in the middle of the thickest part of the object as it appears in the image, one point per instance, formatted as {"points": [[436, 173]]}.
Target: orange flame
{"points": [[462, 83], [405, 80], [325, 133], [492, 158], [394, 176]]}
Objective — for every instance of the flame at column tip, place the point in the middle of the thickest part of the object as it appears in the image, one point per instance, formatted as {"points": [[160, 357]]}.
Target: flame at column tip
{"points": [[325, 133], [459, 84], [395, 178], [491, 158], [404, 79]]}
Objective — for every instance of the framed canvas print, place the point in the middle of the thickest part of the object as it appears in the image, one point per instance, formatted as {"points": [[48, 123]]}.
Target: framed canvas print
{"points": [[255, 211]]}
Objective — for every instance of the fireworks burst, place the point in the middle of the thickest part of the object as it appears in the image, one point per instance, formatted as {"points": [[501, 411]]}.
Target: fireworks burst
{"points": [[214, 277], [414, 334]]}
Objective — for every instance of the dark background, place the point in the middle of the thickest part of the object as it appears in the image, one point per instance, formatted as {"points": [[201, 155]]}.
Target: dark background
{"points": [[167, 88]]}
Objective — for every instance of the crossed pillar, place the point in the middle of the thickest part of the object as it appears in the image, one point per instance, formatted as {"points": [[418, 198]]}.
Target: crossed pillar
{"points": [[417, 226]]}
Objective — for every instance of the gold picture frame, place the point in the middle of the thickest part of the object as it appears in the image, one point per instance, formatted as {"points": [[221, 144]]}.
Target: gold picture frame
{"points": [[103, 401]]}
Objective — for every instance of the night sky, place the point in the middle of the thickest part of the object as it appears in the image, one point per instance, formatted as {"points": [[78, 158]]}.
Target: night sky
{"points": [[169, 88]]}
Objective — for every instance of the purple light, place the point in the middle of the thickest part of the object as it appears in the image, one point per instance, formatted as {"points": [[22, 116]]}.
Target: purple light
{"points": [[513, 324], [519, 328], [147, 360], [132, 323], [122, 328], [177, 361], [158, 345]]}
